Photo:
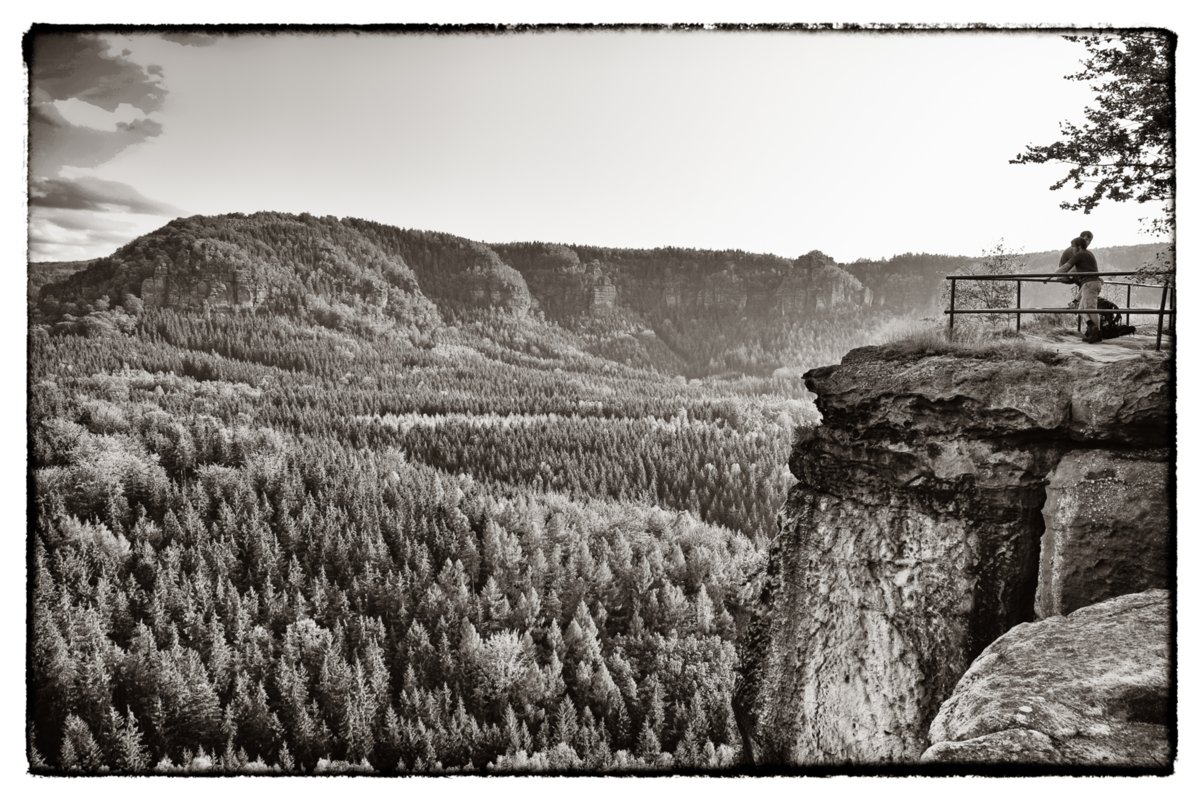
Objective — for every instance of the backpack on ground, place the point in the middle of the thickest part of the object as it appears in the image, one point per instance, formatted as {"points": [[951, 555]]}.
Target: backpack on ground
{"points": [[1115, 330], [1107, 320]]}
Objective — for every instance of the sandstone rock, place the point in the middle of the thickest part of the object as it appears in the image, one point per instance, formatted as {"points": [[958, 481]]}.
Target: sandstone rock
{"points": [[604, 295], [214, 286], [1107, 519], [1088, 688], [1128, 401], [879, 594], [728, 286], [910, 541]]}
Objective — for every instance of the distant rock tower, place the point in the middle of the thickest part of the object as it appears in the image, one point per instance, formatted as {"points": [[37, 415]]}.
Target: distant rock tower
{"points": [[604, 294]]}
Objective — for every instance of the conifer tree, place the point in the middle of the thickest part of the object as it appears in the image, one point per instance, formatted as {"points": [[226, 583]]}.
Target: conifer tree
{"points": [[389, 742], [129, 753], [648, 746], [79, 750]]}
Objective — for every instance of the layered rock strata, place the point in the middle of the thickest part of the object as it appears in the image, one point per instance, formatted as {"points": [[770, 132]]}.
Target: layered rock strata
{"points": [[911, 540]]}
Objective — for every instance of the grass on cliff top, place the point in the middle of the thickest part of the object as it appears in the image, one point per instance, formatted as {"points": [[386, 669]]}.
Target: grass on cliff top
{"points": [[973, 343]]}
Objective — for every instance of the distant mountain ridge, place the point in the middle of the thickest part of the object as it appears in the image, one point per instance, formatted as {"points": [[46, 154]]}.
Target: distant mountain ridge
{"points": [[677, 310], [252, 260], [685, 311]]}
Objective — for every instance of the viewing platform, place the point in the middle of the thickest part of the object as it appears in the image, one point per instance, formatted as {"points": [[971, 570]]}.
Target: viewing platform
{"points": [[1155, 324], [1067, 341]]}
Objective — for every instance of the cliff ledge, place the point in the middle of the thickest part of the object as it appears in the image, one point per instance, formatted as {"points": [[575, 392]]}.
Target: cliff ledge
{"points": [[913, 537]]}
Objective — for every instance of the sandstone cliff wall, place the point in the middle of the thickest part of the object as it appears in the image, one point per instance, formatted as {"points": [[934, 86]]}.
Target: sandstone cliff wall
{"points": [[216, 287], [914, 537], [653, 283]]}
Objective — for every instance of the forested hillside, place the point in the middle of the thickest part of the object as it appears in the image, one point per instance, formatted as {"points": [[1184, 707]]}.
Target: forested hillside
{"points": [[47, 272], [322, 495], [258, 541], [676, 311], [908, 282], [292, 514]]}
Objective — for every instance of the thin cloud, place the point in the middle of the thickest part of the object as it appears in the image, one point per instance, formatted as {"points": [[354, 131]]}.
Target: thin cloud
{"points": [[65, 218], [112, 102], [85, 67], [55, 142], [48, 230], [65, 234], [91, 193], [191, 39]]}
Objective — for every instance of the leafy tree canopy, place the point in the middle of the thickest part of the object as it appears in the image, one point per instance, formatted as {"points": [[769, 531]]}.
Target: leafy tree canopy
{"points": [[1126, 149]]}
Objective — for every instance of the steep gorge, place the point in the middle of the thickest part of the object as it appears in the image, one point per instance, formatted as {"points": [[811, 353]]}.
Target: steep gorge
{"points": [[913, 536]]}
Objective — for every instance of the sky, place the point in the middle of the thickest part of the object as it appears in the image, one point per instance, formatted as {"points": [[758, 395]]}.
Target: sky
{"points": [[860, 145]]}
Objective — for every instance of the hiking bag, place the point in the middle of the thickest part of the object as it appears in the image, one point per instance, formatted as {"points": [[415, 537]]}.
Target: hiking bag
{"points": [[1110, 323]]}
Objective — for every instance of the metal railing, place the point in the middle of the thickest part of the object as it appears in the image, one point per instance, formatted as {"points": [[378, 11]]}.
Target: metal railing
{"points": [[1162, 312]]}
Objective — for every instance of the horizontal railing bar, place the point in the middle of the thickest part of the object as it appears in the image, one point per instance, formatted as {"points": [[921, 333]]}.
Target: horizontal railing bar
{"points": [[1054, 275], [1080, 278], [1071, 310], [1140, 285]]}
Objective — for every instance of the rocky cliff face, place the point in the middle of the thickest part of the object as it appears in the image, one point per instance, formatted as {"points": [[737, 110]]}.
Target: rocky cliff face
{"points": [[214, 287], [913, 537], [1107, 517], [569, 282]]}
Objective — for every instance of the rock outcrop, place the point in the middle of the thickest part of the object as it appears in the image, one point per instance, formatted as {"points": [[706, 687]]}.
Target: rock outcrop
{"points": [[911, 540], [1107, 522], [656, 283], [1090, 688], [217, 286]]}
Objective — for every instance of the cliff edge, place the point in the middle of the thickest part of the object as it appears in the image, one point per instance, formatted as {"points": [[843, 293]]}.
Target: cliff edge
{"points": [[944, 500]]}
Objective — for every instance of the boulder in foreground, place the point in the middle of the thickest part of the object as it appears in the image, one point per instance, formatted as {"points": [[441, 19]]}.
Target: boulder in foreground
{"points": [[1090, 688]]}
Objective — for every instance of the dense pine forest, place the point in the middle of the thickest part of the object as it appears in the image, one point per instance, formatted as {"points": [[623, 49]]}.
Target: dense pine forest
{"points": [[312, 495]]}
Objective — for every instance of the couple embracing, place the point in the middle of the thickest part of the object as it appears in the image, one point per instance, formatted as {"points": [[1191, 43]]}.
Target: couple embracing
{"points": [[1077, 259]]}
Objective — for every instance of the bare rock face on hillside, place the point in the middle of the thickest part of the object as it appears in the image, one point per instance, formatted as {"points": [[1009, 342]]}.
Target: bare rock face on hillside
{"points": [[219, 286], [1088, 688], [911, 540], [654, 283]]}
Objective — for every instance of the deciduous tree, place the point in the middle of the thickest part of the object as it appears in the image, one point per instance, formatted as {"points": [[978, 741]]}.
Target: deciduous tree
{"points": [[1125, 151]]}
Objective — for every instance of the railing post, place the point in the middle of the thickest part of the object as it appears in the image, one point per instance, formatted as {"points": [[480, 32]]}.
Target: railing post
{"points": [[953, 288], [1018, 305], [1162, 305], [1172, 327]]}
